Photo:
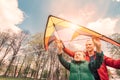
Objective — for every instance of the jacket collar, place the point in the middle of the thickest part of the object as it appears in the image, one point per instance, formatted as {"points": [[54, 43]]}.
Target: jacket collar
{"points": [[73, 61]]}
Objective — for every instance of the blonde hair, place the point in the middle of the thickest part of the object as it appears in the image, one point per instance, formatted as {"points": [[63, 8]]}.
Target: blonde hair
{"points": [[83, 53]]}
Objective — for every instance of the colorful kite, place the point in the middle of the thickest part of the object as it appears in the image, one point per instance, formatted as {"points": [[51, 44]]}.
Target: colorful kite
{"points": [[67, 31]]}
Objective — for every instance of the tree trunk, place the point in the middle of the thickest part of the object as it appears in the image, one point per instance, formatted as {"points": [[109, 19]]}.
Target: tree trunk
{"points": [[8, 68], [6, 52], [19, 71]]}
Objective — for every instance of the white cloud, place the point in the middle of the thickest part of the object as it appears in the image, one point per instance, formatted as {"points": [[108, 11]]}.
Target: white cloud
{"points": [[117, 0], [104, 26], [10, 16], [87, 13], [77, 13]]}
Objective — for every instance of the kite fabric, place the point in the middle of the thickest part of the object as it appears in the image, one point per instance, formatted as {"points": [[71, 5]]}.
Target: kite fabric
{"points": [[67, 31]]}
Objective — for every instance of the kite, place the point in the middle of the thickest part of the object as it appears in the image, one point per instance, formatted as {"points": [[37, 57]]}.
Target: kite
{"points": [[58, 28]]}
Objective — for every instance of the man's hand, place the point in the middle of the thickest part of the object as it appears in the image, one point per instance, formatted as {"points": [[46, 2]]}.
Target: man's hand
{"points": [[97, 43]]}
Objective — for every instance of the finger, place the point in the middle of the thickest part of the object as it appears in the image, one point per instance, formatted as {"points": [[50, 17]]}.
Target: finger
{"points": [[95, 38]]}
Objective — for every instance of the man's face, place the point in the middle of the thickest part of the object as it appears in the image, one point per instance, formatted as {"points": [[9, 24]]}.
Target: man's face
{"points": [[89, 46], [79, 56]]}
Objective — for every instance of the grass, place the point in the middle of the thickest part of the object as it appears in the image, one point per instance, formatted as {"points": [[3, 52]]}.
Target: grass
{"points": [[11, 78]]}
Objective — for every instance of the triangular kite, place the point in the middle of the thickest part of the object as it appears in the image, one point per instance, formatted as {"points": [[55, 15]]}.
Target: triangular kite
{"points": [[66, 30]]}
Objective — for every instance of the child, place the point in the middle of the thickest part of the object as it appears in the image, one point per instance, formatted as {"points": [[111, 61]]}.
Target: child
{"points": [[79, 68]]}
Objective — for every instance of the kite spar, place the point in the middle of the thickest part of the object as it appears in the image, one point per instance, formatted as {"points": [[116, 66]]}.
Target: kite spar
{"points": [[55, 24]]}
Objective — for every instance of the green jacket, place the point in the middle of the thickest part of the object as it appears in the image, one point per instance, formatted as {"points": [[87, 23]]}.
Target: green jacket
{"points": [[82, 70]]}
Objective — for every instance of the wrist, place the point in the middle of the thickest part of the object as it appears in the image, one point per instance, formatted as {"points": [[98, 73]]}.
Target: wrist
{"points": [[99, 50]]}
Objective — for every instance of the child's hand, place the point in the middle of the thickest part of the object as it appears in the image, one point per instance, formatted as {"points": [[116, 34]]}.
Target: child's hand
{"points": [[59, 45]]}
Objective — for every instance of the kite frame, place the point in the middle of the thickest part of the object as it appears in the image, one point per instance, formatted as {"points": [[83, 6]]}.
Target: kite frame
{"points": [[102, 36]]}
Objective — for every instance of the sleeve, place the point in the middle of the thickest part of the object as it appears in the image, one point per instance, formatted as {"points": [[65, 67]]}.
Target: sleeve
{"points": [[112, 62], [95, 64], [64, 62], [68, 51]]}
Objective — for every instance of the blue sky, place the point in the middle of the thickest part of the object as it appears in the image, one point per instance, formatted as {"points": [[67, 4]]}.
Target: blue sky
{"points": [[102, 16], [35, 13], [93, 14]]}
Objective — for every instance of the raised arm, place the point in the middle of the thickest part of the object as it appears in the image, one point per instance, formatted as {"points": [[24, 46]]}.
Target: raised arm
{"points": [[99, 54], [108, 61], [112, 62], [97, 44], [61, 59], [66, 50], [64, 62]]}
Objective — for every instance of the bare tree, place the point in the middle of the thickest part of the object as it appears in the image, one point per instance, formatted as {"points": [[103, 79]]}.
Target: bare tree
{"points": [[3, 39], [19, 71], [37, 47], [115, 50], [16, 45], [6, 52]]}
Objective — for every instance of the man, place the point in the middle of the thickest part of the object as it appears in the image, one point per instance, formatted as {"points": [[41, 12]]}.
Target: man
{"points": [[79, 68], [101, 73]]}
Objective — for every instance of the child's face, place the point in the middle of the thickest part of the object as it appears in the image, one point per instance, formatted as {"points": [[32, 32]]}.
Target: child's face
{"points": [[79, 56]]}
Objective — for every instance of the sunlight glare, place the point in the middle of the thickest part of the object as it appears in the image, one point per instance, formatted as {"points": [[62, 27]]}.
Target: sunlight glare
{"points": [[74, 26]]}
